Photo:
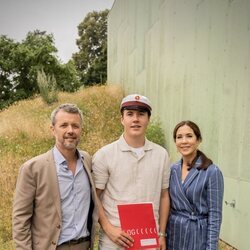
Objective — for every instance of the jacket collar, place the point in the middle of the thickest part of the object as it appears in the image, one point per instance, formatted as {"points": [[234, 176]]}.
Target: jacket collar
{"points": [[194, 171]]}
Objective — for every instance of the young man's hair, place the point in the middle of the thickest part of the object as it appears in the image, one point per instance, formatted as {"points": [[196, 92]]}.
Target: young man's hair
{"points": [[140, 109]]}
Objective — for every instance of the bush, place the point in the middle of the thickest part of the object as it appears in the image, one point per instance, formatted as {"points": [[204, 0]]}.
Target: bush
{"points": [[155, 133], [48, 87]]}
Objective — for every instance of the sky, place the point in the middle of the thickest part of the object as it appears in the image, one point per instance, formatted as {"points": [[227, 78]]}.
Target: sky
{"points": [[59, 17]]}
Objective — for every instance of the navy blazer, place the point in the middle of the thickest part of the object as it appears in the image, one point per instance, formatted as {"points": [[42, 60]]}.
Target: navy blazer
{"points": [[196, 208]]}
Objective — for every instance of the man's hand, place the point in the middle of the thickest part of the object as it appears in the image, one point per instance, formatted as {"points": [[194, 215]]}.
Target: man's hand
{"points": [[162, 242], [114, 233], [119, 237]]}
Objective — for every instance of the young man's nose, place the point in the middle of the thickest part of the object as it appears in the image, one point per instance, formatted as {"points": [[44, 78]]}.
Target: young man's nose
{"points": [[136, 116]]}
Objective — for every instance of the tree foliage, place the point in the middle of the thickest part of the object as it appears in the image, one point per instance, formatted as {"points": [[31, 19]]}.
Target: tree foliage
{"points": [[91, 60], [20, 62]]}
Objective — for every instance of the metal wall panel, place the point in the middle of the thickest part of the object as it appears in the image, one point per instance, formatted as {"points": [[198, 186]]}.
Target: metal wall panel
{"points": [[192, 59]]}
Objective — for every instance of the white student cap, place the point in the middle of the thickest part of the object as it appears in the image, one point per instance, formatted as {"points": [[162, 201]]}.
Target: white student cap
{"points": [[136, 101]]}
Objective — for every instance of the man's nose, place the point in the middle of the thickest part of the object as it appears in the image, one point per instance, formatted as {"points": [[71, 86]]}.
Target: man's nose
{"points": [[136, 117], [70, 129]]}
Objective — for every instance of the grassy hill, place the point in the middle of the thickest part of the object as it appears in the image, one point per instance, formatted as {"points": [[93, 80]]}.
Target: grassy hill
{"points": [[24, 133]]}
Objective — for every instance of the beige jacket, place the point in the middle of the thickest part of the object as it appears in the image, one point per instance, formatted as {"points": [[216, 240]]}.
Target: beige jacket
{"points": [[36, 208]]}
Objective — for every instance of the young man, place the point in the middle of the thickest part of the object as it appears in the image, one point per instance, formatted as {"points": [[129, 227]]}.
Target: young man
{"points": [[131, 170], [53, 200]]}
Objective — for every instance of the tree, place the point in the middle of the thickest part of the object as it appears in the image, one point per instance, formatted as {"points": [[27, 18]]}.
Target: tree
{"points": [[20, 62], [7, 69], [91, 60], [67, 77], [35, 53]]}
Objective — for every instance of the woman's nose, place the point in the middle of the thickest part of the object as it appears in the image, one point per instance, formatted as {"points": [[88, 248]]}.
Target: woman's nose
{"points": [[184, 139]]}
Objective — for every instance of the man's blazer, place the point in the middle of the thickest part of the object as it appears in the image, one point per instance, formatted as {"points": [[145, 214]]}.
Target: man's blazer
{"points": [[37, 208]]}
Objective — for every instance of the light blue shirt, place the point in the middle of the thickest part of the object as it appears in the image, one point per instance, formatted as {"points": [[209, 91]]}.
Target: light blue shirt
{"points": [[75, 198]]}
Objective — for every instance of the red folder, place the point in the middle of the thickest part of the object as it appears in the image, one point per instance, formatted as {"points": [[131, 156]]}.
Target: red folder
{"points": [[139, 222]]}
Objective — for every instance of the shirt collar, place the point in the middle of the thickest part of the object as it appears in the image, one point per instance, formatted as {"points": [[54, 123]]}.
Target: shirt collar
{"points": [[125, 147], [59, 158]]}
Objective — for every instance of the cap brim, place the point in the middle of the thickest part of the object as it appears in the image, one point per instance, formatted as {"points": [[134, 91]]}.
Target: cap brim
{"points": [[139, 108]]}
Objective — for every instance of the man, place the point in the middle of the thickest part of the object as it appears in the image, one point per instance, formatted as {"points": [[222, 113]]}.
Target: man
{"points": [[131, 170], [53, 200]]}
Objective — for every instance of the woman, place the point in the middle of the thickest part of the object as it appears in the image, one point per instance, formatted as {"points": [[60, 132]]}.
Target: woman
{"points": [[196, 191]]}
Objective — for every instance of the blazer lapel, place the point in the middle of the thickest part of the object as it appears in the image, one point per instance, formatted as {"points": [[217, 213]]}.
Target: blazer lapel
{"points": [[87, 166], [192, 174], [176, 174], [54, 183]]}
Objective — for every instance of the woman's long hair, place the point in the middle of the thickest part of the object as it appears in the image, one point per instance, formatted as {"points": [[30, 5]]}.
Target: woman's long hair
{"points": [[205, 161]]}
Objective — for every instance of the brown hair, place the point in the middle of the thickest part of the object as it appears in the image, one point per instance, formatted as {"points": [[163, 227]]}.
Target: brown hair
{"points": [[205, 161], [141, 109]]}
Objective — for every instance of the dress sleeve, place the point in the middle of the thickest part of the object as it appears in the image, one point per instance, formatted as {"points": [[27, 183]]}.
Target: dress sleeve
{"points": [[214, 200]]}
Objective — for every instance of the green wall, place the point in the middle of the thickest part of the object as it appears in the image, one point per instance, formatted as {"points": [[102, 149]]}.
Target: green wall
{"points": [[192, 59]]}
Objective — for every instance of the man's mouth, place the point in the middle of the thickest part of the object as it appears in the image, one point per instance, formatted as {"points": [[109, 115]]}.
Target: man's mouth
{"points": [[136, 126]]}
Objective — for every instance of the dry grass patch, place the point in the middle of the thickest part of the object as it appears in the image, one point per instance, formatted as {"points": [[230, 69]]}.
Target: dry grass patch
{"points": [[24, 133]]}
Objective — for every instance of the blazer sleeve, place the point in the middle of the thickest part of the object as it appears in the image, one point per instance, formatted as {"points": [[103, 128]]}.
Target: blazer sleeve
{"points": [[214, 200], [23, 208]]}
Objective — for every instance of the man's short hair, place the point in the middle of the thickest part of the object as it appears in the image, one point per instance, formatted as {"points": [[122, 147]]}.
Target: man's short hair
{"points": [[66, 107]]}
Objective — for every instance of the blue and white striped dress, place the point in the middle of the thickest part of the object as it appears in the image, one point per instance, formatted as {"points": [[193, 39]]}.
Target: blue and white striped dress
{"points": [[196, 208]]}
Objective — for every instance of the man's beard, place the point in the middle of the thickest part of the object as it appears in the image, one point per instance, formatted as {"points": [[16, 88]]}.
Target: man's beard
{"points": [[70, 145]]}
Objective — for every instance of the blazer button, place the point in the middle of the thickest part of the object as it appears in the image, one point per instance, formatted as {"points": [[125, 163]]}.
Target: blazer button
{"points": [[58, 226], [53, 243]]}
